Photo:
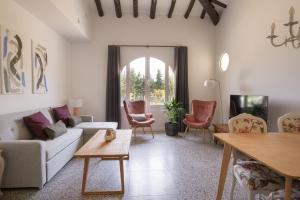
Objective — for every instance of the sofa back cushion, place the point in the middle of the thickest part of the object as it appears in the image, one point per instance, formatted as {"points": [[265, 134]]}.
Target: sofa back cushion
{"points": [[12, 126], [62, 113]]}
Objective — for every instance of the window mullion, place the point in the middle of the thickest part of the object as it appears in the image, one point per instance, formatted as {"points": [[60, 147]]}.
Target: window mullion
{"points": [[147, 81], [127, 82]]}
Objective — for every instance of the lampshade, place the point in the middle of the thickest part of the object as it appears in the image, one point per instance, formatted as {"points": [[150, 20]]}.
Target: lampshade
{"points": [[211, 82], [76, 103]]}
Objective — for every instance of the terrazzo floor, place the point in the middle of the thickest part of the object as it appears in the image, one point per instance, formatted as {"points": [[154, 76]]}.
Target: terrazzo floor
{"points": [[164, 168]]}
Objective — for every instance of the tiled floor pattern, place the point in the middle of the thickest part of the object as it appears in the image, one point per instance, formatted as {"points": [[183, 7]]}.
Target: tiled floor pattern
{"points": [[164, 168]]}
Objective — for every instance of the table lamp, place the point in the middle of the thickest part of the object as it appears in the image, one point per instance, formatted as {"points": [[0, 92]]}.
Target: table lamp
{"points": [[76, 104]]}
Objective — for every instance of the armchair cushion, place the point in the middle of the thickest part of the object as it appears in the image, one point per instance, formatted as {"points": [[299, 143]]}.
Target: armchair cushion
{"points": [[139, 117], [256, 176]]}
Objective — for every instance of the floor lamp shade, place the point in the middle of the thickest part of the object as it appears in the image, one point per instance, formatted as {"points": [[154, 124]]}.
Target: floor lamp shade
{"points": [[76, 104]]}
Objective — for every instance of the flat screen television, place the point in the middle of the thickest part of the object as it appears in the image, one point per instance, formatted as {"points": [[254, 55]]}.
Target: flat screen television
{"points": [[252, 104]]}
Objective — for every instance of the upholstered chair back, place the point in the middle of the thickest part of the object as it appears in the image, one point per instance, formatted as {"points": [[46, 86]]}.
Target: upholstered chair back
{"points": [[289, 123], [246, 123], [203, 111], [136, 107]]}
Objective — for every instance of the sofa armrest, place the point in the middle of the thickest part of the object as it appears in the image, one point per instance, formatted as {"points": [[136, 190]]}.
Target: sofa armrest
{"points": [[25, 163], [87, 118]]}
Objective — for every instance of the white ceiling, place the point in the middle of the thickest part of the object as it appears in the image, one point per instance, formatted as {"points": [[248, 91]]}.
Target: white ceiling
{"points": [[162, 7]]}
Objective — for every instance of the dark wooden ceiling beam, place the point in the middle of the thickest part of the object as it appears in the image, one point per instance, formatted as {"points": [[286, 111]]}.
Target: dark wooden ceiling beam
{"points": [[188, 11], [203, 14], [99, 8], [171, 8], [223, 5], [118, 8], [135, 8], [153, 9], [211, 11]]}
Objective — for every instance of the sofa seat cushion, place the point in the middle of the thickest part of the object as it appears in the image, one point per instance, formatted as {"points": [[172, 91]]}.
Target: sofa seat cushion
{"points": [[58, 144], [94, 126], [256, 176]]}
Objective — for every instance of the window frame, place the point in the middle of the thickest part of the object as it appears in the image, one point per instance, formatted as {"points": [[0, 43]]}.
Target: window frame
{"points": [[147, 78]]}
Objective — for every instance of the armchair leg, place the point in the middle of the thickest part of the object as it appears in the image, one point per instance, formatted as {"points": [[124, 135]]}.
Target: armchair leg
{"points": [[134, 131], [151, 131], [186, 130]]}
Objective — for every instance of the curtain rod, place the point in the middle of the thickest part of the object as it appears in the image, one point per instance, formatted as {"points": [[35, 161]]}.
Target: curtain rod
{"points": [[128, 45]]}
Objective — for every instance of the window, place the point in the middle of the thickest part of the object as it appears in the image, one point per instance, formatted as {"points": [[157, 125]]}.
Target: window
{"points": [[147, 78]]}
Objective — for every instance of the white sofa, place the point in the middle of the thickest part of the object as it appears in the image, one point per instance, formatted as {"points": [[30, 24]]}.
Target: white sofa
{"points": [[32, 163]]}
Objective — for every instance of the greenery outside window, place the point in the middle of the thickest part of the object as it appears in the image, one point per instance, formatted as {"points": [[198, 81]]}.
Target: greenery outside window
{"points": [[149, 79]]}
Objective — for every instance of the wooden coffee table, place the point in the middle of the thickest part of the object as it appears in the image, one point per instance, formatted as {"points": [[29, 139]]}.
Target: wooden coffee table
{"points": [[97, 147]]}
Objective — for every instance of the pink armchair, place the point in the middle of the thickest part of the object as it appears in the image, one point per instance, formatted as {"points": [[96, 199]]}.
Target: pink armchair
{"points": [[201, 116], [137, 118]]}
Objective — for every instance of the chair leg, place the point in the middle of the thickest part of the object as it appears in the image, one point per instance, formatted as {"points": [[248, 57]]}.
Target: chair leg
{"points": [[204, 134], [186, 130], [152, 131], [251, 195], [232, 187], [134, 131]]}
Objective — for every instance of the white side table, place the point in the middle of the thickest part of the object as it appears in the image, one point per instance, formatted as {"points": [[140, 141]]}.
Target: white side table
{"points": [[2, 164]]}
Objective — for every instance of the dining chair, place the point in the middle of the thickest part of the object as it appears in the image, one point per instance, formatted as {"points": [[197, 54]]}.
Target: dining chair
{"points": [[201, 116], [254, 177], [137, 117], [289, 123]]}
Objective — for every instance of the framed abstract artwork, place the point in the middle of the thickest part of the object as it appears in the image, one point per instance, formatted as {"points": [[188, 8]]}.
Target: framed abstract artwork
{"points": [[12, 62], [39, 68]]}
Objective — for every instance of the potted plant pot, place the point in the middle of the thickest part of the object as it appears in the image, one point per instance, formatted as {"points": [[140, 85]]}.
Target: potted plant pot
{"points": [[173, 111], [171, 129]]}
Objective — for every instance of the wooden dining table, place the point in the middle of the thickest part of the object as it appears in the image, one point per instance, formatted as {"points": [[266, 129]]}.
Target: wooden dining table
{"points": [[278, 151]]}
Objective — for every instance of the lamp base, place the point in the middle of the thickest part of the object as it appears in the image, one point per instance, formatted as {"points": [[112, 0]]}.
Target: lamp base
{"points": [[76, 111]]}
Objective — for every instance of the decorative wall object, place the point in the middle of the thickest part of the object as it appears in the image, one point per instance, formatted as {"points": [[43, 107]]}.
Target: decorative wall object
{"points": [[293, 38], [39, 68], [12, 65]]}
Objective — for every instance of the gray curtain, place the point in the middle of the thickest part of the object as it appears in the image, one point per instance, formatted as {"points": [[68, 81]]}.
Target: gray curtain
{"points": [[113, 109], [181, 73]]}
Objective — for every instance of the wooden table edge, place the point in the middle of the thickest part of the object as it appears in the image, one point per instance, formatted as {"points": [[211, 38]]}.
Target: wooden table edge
{"points": [[283, 174]]}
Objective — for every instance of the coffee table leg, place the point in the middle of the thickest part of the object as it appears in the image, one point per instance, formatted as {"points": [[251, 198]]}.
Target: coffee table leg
{"points": [[288, 188], [225, 162], [85, 173], [122, 174]]}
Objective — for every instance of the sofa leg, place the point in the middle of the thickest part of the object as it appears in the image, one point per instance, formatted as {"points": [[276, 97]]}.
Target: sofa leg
{"points": [[144, 130]]}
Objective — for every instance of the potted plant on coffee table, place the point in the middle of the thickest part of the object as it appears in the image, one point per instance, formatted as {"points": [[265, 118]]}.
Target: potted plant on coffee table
{"points": [[173, 111]]}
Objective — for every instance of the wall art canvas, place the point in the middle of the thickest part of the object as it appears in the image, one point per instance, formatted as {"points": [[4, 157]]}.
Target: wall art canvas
{"points": [[11, 65], [39, 68]]}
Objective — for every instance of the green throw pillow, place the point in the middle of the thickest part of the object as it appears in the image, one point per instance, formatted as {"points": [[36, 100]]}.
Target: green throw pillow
{"points": [[55, 130], [74, 120]]}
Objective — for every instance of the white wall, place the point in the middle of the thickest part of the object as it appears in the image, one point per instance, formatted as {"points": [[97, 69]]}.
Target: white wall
{"points": [[16, 18], [256, 67], [89, 60]]}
